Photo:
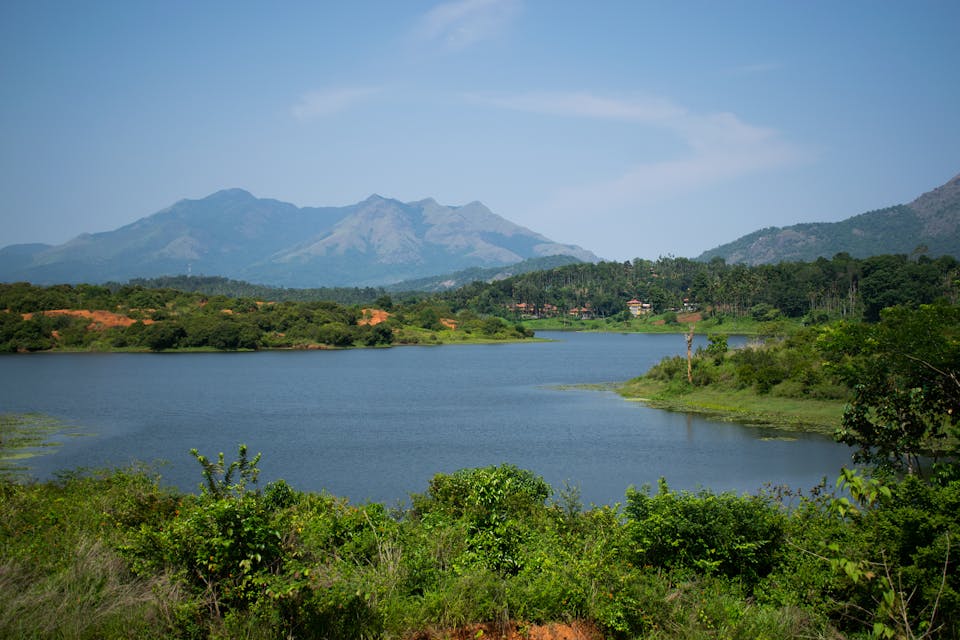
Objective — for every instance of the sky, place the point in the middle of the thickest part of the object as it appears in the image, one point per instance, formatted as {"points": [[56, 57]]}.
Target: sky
{"points": [[631, 128]]}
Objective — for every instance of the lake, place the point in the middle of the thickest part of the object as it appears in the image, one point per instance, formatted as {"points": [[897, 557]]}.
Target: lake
{"points": [[376, 424]]}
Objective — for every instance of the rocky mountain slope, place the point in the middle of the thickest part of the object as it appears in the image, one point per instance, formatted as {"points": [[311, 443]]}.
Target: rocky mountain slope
{"points": [[929, 224], [233, 234]]}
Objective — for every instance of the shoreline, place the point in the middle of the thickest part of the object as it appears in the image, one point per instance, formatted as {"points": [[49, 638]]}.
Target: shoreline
{"points": [[743, 407]]}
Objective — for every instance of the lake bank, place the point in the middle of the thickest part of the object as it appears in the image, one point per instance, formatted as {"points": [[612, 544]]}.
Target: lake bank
{"points": [[743, 406], [677, 323]]}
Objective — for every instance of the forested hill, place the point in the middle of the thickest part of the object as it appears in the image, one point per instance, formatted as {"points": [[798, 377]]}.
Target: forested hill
{"points": [[474, 274], [133, 318], [928, 225], [839, 287]]}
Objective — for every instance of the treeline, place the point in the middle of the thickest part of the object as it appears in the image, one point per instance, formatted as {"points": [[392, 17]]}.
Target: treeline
{"points": [[841, 287], [219, 286], [838, 288], [190, 313], [94, 317]]}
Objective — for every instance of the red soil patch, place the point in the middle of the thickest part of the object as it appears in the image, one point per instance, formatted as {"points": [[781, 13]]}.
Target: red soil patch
{"points": [[99, 319], [555, 631], [373, 317], [449, 323]]}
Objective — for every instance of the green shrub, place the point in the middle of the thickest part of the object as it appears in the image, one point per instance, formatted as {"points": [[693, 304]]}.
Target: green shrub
{"points": [[725, 534], [495, 502]]}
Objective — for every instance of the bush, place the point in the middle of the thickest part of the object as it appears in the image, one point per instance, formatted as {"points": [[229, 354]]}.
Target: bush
{"points": [[735, 536], [335, 334], [496, 503]]}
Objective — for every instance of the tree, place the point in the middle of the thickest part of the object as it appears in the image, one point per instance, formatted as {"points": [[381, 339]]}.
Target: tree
{"points": [[163, 335], [718, 347], [905, 372]]}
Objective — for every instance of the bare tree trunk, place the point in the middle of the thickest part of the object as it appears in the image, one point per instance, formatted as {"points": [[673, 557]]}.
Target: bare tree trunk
{"points": [[690, 354]]}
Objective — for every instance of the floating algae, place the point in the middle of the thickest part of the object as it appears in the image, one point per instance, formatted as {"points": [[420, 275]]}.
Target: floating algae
{"points": [[25, 436]]}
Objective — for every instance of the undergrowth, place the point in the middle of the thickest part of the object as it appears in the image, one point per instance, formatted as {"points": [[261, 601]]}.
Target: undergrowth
{"points": [[112, 554]]}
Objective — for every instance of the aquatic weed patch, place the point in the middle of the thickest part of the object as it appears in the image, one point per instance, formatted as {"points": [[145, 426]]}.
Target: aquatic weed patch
{"points": [[25, 436]]}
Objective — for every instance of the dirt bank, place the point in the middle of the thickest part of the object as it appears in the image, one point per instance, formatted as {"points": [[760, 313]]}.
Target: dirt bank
{"points": [[99, 319]]}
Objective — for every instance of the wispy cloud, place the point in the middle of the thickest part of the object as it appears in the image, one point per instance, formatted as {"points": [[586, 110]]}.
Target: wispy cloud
{"points": [[584, 105], [462, 23], [718, 146], [753, 69], [319, 104]]}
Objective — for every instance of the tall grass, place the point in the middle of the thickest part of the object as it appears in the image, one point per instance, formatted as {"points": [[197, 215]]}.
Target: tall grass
{"points": [[95, 596]]}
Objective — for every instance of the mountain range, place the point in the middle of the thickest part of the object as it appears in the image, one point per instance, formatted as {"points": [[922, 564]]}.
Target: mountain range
{"points": [[231, 233], [382, 241], [929, 225]]}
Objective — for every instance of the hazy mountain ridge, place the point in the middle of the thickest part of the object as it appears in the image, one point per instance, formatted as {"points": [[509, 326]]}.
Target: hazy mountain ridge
{"points": [[434, 284], [233, 234], [930, 221]]}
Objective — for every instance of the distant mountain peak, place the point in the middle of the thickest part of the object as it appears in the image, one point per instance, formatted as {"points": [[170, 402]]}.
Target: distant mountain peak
{"points": [[936, 199], [231, 193], [234, 234]]}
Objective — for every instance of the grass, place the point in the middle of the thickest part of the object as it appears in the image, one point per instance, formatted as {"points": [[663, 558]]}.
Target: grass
{"points": [[656, 324], [94, 596], [420, 336], [744, 405]]}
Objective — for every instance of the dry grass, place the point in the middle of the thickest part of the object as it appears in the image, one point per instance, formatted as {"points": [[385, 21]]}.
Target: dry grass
{"points": [[94, 597]]}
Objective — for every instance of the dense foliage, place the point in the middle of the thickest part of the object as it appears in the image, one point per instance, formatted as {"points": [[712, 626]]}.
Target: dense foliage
{"points": [[898, 378], [220, 286], [842, 287], [114, 554], [87, 317], [784, 366], [904, 374]]}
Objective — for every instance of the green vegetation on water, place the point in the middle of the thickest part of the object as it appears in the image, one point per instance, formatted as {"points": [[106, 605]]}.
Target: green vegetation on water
{"points": [[24, 436]]}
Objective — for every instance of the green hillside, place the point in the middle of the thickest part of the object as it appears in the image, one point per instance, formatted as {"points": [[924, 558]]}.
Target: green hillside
{"points": [[928, 225]]}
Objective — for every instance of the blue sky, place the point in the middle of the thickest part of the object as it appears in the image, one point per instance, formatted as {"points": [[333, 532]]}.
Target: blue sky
{"points": [[634, 129]]}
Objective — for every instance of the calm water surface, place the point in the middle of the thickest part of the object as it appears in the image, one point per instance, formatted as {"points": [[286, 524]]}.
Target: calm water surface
{"points": [[378, 423]]}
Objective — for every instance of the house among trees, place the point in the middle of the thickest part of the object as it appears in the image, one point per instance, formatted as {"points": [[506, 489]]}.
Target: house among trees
{"points": [[638, 308], [531, 311], [583, 313]]}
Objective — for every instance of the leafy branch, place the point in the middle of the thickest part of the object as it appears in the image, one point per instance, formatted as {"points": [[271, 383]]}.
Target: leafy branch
{"points": [[219, 476]]}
